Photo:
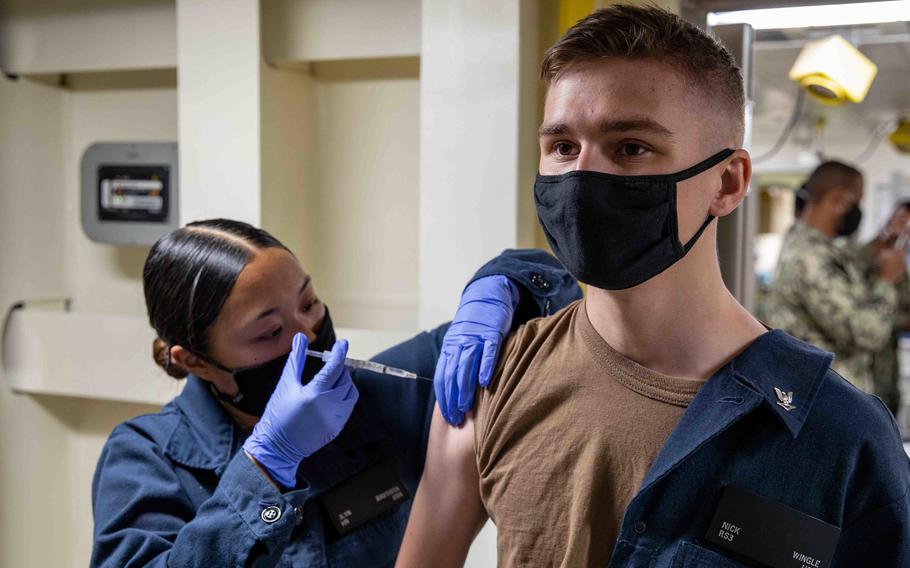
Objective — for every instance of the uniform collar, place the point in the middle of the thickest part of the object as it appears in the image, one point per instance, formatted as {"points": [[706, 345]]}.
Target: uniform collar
{"points": [[776, 362], [773, 360]]}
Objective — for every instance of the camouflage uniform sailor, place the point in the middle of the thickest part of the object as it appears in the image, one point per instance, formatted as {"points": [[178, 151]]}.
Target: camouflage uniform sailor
{"points": [[823, 295]]}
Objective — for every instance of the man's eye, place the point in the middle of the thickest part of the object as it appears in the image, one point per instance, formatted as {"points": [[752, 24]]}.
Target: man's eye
{"points": [[564, 148], [631, 150]]}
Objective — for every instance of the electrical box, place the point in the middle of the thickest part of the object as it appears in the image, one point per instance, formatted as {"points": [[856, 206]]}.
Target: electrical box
{"points": [[129, 191]]}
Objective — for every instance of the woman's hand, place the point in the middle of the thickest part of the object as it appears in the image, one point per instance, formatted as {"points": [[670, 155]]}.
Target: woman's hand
{"points": [[471, 346], [300, 419]]}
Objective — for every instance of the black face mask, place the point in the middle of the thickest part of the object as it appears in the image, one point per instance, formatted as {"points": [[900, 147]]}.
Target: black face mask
{"points": [[615, 232], [850, 221], [257, 383]]}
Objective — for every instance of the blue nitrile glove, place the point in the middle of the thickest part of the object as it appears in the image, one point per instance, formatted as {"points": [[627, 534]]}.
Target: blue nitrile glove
{"points": [[471, 345], [299, 419]]}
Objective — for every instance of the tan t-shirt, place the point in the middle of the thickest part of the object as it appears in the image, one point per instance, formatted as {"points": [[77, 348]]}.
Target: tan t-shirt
{"points": [[564, 436]]}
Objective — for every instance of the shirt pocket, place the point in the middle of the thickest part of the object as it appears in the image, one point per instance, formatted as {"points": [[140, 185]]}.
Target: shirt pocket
{"points": [[690, 555]]}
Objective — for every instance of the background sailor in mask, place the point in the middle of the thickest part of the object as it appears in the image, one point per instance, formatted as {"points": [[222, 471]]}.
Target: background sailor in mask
{"points": [[269, 457], [828, 293]]}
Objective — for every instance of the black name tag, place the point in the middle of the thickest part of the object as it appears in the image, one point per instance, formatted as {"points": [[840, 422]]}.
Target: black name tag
{"points": [[771, 533], [363, 497]]}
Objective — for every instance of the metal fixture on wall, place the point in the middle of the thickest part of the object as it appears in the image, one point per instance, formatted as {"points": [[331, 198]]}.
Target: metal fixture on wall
{"points": [[736, 231]]}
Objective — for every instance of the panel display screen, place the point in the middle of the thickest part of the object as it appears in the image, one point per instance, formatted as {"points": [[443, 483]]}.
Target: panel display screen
{"points": [[133, 193]]}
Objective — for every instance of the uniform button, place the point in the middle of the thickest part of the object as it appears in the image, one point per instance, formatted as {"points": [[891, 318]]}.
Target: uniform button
{"points": [[538, 281], [298, 515], [270, 514], [639, 527]]}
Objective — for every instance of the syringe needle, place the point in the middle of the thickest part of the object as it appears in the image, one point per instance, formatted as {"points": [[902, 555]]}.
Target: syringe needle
{"points": [[369, 366]]}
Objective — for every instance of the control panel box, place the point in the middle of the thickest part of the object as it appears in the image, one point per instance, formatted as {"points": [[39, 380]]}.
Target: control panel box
{"points": [[129, 191]]}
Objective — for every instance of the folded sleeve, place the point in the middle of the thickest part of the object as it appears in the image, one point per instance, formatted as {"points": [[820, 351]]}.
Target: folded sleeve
{"points": [[546, 286], [144, 517]]}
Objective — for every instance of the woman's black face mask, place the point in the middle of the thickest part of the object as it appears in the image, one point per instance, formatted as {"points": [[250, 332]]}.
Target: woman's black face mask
{"points": [[256, 384]]}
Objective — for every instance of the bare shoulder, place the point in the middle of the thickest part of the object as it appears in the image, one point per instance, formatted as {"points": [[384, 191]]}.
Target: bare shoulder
{"points": [[447, 512], [451, 448]]}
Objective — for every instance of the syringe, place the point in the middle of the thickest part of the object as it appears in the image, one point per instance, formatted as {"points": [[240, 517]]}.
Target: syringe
{"points": [[369, 366]]}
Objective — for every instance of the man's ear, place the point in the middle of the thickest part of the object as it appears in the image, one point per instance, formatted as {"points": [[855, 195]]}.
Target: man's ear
{"points": [[734, 185], [191, 363]]}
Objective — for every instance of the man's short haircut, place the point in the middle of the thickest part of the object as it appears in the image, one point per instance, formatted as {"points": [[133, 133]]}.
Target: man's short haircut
{"points": [[633, 32], [831, 175]]}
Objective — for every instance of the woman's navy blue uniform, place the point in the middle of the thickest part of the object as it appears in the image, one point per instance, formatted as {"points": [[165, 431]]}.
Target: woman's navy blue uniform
{"points": [[173, 489]]}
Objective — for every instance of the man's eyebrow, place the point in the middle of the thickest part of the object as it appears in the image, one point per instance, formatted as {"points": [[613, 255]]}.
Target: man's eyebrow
{"points": [[639, 124], [611, 126], [552, 129]]}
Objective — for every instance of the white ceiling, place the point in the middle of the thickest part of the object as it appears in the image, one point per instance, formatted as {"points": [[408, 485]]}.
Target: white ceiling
{"points": [[887, 45]]}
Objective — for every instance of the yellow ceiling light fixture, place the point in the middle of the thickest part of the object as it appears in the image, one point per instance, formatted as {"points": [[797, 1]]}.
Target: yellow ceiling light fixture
{"points": [[833, 72], [900, 137]]}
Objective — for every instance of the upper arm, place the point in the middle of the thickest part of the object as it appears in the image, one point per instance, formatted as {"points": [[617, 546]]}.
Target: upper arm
{"points": [[447, 511], [880, 538], [138, 504]]}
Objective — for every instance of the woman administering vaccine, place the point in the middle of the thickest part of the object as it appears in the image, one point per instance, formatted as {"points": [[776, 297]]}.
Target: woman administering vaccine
{"points": [[271, 457]]}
